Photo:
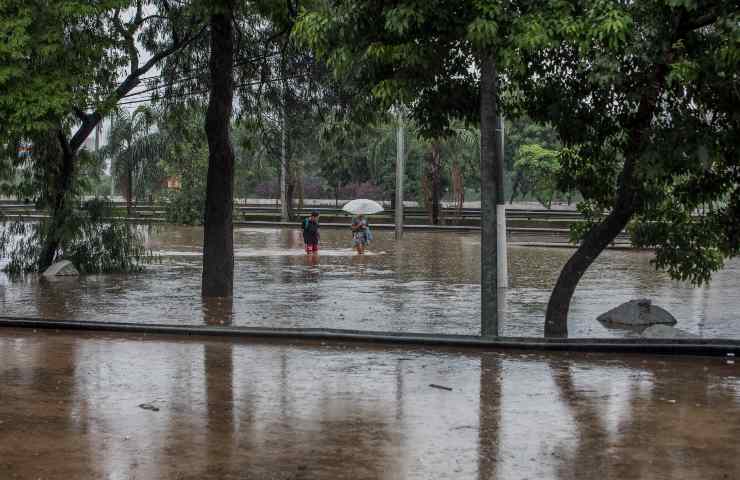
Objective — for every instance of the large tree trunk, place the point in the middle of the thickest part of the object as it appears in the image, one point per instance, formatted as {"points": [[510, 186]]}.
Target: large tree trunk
{"points": [[489, 158], [60, 182], [218, 232]]}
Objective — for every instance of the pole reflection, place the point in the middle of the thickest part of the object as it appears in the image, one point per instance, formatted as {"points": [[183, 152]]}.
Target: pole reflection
{"points": [[489, 412]]}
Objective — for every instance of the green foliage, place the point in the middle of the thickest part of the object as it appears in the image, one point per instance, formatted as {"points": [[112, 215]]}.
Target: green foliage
{"points": [[135, 149], [186, 205], [54, 56], [185, 158], [414, 56], [688, 246], [357, 153], [538, 168], [93, 241], [522, 130], [645, 97], [63, 67]]}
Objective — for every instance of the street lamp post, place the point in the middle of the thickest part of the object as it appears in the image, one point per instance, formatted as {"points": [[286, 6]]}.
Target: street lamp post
{"points": [[400, 160], [502, 270]]}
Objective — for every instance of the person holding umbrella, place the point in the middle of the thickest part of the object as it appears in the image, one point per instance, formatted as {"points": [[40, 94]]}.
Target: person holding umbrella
{"points": [[361, 234]]}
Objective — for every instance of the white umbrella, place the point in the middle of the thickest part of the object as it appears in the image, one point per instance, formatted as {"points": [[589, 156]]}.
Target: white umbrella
{"points": [[363, 206]]}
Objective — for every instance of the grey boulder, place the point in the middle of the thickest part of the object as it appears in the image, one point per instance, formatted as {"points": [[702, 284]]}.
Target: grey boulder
{"points": [[63, 268], [637, 313]]}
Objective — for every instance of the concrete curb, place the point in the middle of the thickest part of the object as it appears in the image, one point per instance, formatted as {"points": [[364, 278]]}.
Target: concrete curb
{"points": [[707, 347]]}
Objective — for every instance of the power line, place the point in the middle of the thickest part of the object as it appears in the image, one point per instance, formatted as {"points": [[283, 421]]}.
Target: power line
{"points": [[192, 77], [204, 68], [185, 79], [206, 90], [149, 79]]}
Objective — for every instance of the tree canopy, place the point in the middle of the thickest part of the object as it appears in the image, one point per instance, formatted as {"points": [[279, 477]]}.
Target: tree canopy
{"points": [[645, 98]]}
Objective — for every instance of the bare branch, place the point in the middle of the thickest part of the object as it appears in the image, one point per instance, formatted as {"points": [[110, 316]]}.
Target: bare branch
{"points": [[149, 17]]}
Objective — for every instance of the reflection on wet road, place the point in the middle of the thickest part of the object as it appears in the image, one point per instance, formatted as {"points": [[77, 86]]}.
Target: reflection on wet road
{"points": [[70, 408], [429, 282]]}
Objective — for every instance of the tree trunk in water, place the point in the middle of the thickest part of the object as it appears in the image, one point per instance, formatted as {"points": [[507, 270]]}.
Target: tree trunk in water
{"points": [[218, 242], [61, 182], [625, 206], [489, 154], [595, 241]]}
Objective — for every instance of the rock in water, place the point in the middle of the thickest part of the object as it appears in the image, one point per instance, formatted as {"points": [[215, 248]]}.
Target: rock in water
{"points": [[666, 331], [637, 313], [61, 268]]}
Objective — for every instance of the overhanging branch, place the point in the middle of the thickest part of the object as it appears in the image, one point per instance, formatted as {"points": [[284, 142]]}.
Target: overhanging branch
{"points": [[128, 84]]}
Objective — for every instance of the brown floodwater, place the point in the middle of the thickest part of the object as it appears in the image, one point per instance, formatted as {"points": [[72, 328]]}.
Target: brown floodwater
{"points": [[88, 405], [429, 282]]}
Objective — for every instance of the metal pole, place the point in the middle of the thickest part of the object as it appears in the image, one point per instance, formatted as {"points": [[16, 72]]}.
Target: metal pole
{"points": [[112, 176], [129, 207], [502, 270], [489, 173], [283, 172], [400, 154], [283, 149]]}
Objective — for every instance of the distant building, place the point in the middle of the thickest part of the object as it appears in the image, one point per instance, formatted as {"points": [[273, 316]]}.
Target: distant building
{"points": [[173, 182]]}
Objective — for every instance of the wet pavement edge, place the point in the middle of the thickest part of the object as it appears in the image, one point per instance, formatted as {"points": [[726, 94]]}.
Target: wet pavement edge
{"points": [[703, 347]]}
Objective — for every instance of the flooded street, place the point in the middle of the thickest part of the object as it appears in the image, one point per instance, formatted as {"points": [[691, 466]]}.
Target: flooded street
{"points": [[429, 282], [77, 405]]}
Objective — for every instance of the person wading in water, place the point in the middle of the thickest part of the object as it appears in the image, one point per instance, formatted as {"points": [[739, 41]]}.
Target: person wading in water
{"points": [[360, 234], [311, 233]]}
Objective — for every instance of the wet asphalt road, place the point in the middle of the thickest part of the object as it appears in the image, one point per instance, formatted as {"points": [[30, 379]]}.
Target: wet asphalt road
{"points": [[86, 405]]}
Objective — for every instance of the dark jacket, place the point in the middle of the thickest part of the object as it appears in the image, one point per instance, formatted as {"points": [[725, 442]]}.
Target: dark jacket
{"points": [[310, 231]]}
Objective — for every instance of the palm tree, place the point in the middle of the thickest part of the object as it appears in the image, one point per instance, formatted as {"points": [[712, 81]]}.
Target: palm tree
{"points": [[463, 146], [135, 148]]}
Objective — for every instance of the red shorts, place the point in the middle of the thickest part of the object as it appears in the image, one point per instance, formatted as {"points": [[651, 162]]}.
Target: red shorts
{"points": [[312, 248]]}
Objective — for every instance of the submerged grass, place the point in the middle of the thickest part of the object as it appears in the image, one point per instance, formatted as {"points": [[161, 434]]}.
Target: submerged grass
{"points": [[92, 240]]}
